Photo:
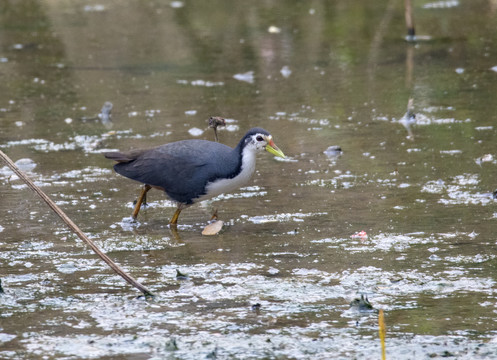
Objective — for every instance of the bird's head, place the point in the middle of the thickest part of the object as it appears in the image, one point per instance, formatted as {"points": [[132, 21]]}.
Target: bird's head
{"points": [[259, 139]]}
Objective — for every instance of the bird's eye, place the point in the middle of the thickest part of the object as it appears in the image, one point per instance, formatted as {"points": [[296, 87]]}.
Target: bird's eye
{"points": [[259, 138]]}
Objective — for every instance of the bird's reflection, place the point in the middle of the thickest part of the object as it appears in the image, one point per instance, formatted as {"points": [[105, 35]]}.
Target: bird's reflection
{"points": [[409, 119]]}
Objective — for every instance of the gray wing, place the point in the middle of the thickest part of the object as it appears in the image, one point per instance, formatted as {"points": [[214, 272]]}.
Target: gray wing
{"points": [[182, 168]]}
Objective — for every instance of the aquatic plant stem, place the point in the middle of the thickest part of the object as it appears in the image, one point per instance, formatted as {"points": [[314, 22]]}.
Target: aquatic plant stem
{"points": [[73, 226], [411, 32], [382, 330]]}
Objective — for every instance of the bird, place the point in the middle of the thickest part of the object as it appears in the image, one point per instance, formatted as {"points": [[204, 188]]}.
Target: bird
{"points": [[190, 171]]}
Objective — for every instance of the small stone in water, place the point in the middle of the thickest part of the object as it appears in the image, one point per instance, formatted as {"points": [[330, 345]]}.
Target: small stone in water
{"points": [[68, 120]]}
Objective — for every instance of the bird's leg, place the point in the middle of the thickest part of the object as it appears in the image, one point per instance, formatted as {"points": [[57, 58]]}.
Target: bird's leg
{"points": [[144, 202], [174, 219], [140, 200]]}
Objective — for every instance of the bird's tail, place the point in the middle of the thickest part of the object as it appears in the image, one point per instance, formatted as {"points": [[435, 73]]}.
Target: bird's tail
{"points": [[118, 156]]}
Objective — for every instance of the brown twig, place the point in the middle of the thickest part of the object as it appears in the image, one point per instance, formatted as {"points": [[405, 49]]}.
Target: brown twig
{"points": [[73, 226]]}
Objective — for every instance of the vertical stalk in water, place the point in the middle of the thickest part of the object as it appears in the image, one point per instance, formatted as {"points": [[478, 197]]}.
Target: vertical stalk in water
{"points": [[382, 331]]}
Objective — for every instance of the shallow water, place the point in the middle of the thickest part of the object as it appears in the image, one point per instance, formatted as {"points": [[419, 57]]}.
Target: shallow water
{"points": [[278, 281]]}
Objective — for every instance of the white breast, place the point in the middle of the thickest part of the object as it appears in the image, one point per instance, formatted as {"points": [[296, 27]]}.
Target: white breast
{"points": [[221, 186]]}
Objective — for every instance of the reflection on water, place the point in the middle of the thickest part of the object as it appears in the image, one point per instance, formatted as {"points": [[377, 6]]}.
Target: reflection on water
{"points": [[79, 79]]}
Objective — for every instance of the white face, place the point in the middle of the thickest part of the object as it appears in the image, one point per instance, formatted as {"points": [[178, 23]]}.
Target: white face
{"points": [[258, 142]]}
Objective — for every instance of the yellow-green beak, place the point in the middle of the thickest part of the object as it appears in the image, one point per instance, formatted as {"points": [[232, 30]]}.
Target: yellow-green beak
{"points": [[272, 148]]}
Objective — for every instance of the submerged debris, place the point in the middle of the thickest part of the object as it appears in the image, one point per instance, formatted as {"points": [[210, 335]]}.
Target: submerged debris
{"points": [[214, 122], [485, 158], [212, 354], [360, 235], [362, 304], [256, 307], [105, 115], [409, 119], [246, 77], [181, 276], [333, 151], [171, 345]]}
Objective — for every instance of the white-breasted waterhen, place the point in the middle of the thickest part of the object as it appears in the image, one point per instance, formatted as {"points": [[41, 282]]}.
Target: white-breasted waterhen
{"points": [[190, 171]]}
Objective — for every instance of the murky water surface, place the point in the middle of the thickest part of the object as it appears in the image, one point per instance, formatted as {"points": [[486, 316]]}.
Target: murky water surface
{"points": [[278, 281]]}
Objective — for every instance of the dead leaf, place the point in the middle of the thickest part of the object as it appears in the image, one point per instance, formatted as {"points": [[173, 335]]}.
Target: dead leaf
{"points": [[213, 228]]}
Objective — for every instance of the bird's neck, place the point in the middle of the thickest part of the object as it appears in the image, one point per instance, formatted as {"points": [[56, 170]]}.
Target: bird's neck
{"points": [[244, 170], [247, 162]]}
